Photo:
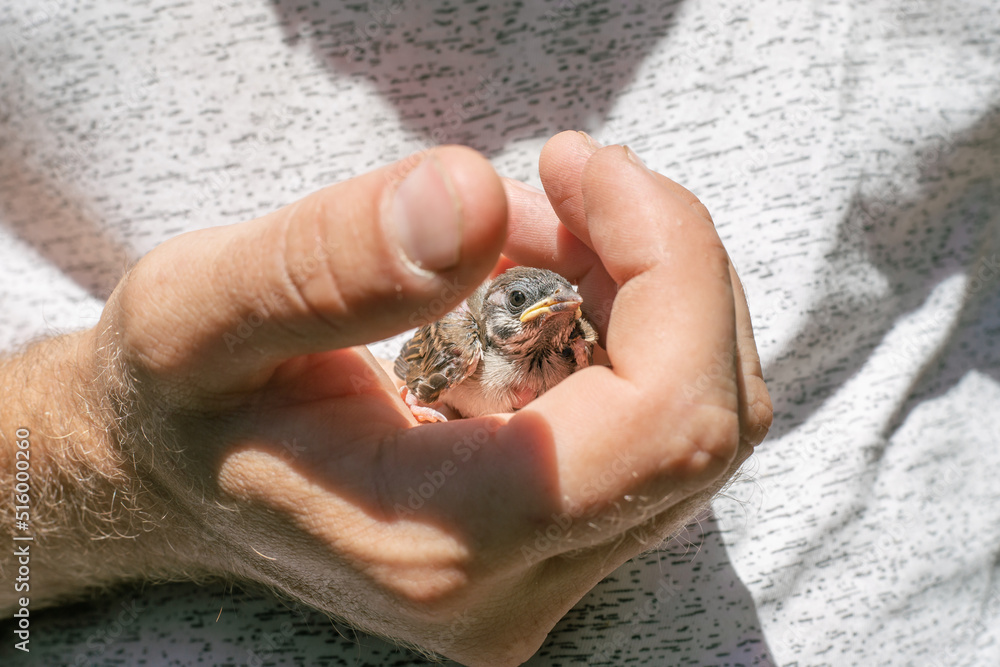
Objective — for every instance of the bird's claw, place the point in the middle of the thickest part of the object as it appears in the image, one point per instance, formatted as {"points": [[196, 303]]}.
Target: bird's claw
{"points": [[422, 413]]}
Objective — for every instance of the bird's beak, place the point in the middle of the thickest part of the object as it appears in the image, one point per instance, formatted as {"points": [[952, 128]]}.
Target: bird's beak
{"points": [[553, 304]]}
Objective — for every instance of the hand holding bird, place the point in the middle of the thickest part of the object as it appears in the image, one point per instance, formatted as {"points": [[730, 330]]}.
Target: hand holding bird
{"points": [[291, 449]]}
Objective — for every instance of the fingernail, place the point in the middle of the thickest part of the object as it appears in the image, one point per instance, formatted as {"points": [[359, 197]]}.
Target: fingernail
{"points": [[590, 140], [426, 217], [632, 157]]}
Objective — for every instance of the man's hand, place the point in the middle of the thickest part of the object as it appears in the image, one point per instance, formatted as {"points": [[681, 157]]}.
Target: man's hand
{"points": [[250, 438]]}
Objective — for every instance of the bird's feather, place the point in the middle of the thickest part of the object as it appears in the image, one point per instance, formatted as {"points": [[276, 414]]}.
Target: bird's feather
{"points": [[516, 337], [440, 355]]}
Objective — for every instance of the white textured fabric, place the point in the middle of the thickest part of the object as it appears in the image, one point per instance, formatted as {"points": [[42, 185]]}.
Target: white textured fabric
{"points": [[849, 152]]}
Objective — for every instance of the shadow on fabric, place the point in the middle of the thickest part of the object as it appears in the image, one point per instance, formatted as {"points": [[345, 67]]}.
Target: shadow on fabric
{"points": [[453, 83], [949, 227]]}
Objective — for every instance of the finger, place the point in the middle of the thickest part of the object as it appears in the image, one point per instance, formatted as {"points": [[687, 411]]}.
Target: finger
{"points": [[754, 401], [756, 411], [674, 310], [631, 228], [672, 324], [635, 220], [388, 366], [355, 262], [561, 166], [536, 236]]}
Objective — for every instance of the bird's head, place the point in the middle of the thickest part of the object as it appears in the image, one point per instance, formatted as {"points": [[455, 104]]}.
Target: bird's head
{"points": [[524, 308]]}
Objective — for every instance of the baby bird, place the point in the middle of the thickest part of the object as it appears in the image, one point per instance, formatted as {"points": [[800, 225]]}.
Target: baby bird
{"points": [[515, 337]]}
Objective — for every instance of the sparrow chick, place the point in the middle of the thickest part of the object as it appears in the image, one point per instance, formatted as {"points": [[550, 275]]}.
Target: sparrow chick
{"points": [[515, 337]]}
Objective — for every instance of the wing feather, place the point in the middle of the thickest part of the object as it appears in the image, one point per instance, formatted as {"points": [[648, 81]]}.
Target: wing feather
{"points": [[440, 355]]}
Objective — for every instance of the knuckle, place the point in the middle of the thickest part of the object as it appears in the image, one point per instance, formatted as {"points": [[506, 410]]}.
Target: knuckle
{"points": [[711, 442], [318, 280], [719, 434], [313, 280]]}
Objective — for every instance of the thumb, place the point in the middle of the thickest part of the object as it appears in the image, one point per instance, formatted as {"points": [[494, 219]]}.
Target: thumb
{"points": [[352, 263]]}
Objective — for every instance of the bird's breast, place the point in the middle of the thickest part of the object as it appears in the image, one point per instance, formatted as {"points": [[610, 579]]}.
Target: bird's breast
{"points": [[507, 382]]}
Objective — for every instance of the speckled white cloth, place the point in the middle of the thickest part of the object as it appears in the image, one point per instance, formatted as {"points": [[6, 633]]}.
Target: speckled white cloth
{"points": [[849, 152]]}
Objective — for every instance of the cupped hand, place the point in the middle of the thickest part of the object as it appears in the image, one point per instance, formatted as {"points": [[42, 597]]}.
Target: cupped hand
{"points": [[275, 449]]}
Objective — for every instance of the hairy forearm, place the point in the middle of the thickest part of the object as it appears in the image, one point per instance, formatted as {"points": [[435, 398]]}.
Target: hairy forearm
{"points": [[71, 495]]}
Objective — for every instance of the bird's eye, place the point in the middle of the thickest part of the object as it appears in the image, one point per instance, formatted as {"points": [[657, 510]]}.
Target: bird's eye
{"points": [[516, 298]]}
